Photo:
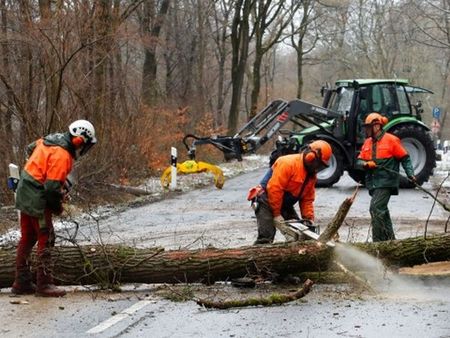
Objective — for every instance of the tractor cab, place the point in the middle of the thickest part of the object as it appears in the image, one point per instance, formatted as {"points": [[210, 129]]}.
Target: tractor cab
{"points": [[396, 100], [355, 99]]}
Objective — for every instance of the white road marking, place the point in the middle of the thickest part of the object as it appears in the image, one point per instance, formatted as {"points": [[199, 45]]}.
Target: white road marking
{"points": [[120, 316]]}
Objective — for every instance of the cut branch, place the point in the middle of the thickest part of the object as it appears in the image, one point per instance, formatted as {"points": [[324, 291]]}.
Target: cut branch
{"points": [[273, 299], [333, 227]]}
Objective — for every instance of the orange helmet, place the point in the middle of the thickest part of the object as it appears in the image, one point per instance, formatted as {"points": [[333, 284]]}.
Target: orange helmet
{"points": [[319, 149], [375, 118]]}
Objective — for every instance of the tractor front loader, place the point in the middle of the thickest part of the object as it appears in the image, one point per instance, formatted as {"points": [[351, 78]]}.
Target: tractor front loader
{"points": [[253, 135]]}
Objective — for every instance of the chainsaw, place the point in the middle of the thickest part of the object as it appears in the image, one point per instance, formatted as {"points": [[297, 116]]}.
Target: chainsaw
{"points": [[297, 229]]}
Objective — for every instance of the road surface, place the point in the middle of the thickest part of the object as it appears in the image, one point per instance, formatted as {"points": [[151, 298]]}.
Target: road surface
{"points": [[223, 218]]}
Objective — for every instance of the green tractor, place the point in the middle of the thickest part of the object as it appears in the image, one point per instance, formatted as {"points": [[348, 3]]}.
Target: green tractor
{"points": [[339, 120], [350, 102]]}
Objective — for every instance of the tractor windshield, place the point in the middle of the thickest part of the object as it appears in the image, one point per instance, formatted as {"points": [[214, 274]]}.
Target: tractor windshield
{"points": [[342, 100]]}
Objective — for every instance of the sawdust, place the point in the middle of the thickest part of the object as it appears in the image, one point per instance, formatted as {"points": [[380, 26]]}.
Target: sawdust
{"points": [[430, 269]]}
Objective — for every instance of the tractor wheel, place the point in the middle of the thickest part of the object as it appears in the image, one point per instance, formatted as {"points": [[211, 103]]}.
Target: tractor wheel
{"points": [[329, 176], [418, 143]]}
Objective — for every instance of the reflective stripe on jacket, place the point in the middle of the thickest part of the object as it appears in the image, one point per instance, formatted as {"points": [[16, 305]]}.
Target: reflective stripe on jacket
{"points": [[387, 152], [287, 180], [44, 174]]}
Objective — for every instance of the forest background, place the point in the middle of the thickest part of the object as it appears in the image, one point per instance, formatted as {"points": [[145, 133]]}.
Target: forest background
{"points": [[147, 72]]}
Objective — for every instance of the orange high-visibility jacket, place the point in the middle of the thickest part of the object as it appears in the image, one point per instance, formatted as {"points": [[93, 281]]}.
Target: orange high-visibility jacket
{"points": [[387, 152], [386, 146], [289, 176], [44, 174]]}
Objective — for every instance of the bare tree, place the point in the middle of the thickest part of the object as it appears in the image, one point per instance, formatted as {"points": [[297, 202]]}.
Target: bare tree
{"points": [[270, 18], [431, 21], [154, 13], [298, 37], [377, 37], [220, 35], [240, 40], [7, 109]]}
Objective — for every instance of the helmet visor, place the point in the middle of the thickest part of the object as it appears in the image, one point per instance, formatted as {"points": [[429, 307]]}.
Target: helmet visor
{"points": [[86, 148]]}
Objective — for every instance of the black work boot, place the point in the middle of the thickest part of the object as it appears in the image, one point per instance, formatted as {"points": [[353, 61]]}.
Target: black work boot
{"points": [[23, 289], [50, 290], [46, 286], [22, 284]]}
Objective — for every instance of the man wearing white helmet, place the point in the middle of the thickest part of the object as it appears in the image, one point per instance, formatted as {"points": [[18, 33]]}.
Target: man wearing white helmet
{"points": [[39, 196]]}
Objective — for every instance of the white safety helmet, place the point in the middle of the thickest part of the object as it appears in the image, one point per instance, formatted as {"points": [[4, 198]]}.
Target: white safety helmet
{"points": [[85, 130]]}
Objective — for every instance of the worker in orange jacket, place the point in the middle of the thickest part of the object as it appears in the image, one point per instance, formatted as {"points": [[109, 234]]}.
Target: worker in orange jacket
{"points": [[40, 193], [380, 157], [291, 179]]}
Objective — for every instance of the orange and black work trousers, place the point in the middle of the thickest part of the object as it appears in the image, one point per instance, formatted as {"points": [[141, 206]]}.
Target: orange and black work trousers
{"points": [[34, 230]]}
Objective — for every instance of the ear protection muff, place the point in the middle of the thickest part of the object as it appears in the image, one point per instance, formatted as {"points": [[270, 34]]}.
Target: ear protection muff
{"points": [[77, 141], [310, 155]]}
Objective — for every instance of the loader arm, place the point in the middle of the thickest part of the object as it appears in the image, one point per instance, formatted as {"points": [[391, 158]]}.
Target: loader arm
{"points": [[252, 136], [261, 128]]}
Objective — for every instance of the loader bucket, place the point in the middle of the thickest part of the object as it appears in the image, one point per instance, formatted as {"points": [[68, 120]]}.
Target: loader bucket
{"points": [[194, 167]]}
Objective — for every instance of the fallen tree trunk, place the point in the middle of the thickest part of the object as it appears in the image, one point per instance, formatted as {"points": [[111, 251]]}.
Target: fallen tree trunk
{"points": [[113, 264], [410, 251], [110, 265]]}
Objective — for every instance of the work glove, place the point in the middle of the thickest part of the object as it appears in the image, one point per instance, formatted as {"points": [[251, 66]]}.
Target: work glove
{"points": [[58, 211], [281, 225], [413, 179], [369, 165], [278, 221], [310, 224]]}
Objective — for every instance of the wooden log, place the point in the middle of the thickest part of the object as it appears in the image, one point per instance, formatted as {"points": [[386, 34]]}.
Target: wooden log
{"points": [[110, 265], [410, 251], [113, 264]]}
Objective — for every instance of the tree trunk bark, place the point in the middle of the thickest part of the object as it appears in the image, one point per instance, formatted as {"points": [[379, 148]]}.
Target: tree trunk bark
{"points": [[152, 31], [240, 40], [256, 85], [110, 265]]}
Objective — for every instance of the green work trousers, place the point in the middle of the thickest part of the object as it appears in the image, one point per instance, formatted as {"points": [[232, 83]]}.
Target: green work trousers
{"points": [[382, 229]]}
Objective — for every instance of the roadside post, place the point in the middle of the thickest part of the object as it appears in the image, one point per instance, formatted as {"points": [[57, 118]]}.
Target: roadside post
{"points": [[173, 164], [13, 180], [14, 177]]}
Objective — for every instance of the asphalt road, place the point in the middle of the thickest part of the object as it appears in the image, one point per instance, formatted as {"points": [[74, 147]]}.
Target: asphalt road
{"points": [[223, 218]]}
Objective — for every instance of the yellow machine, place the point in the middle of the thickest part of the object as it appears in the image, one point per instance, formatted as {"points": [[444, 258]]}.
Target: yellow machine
{"points": [[193, 167]]}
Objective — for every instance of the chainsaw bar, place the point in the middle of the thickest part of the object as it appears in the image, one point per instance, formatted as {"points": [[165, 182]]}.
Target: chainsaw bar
{"points": [[300, 228]]}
